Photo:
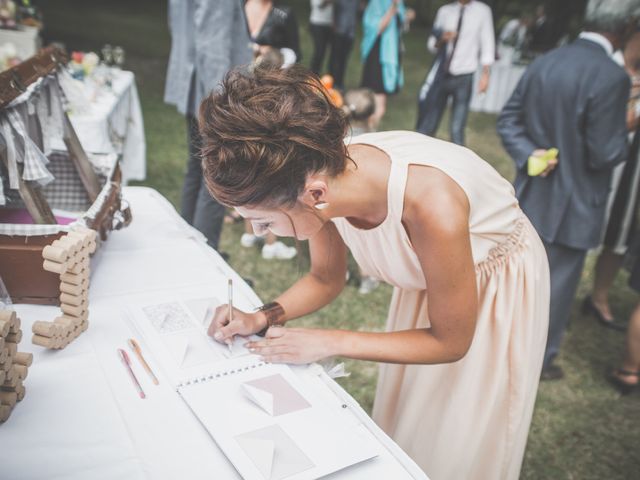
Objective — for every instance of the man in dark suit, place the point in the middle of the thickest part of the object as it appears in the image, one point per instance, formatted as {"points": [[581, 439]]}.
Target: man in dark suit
{"points": [[574, 99]]}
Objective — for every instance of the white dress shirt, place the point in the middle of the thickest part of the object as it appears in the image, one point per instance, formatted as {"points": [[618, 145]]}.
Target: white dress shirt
{"points": [[600, 40], [321, 15], [476, 41]]}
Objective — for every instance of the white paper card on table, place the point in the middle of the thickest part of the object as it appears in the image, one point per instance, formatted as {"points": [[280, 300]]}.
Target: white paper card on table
{"points": [[261, 398], [246, 402], [275, 393], [260, 451], [274, 453]]}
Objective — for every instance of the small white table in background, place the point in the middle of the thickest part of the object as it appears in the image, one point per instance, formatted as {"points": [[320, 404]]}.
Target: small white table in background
{"points": [[25, 39], [112, 123], [504, 79]]}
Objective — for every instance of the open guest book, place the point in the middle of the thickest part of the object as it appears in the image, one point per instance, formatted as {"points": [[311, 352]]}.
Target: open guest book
{"points": [[269, 427], [266, 419]]}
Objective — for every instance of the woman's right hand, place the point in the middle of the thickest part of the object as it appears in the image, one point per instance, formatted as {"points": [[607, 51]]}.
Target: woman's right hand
{"points": [[223, 330]]}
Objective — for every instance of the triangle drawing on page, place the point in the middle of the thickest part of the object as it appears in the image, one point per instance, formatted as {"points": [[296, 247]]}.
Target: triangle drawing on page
{"points": [[261, 451], [261, 398], [183, 351], [286, 399]]}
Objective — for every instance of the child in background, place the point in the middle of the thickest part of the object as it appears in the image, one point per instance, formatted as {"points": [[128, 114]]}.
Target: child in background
{"points": [[359, 106]]}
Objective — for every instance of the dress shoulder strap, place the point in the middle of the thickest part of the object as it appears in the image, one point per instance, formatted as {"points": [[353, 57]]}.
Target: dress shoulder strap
{"points": [[397, 185]]}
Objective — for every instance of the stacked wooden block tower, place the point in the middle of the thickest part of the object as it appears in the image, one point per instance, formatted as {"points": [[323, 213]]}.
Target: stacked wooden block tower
{"points": [[68, 257], [14, 365]]}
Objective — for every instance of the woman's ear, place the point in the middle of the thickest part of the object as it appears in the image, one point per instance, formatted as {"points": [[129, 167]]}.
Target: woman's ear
{"points": [[316, 193]]}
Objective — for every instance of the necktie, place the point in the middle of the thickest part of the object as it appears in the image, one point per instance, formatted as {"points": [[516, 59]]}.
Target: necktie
{"points": [[455, 41]]}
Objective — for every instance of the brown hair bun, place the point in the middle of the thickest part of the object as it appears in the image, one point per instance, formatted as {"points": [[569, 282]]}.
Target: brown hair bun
{"points": [[264, 131]]}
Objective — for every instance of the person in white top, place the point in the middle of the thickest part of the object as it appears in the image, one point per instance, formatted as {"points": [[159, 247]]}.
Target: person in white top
{"points": [[512, 38], [321, 25], [463, 38]]}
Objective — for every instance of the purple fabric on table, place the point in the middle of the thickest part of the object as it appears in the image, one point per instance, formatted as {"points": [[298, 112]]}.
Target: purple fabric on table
{"points": [[22, 216]]}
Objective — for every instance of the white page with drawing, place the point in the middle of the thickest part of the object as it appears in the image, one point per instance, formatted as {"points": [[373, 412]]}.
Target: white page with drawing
{"points": [[173, 327], [269, 424]]}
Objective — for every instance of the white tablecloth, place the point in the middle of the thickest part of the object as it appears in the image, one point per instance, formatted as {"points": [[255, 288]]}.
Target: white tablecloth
{"points": [[81, 419], [25, 39], [504, 79], [112, 123]]}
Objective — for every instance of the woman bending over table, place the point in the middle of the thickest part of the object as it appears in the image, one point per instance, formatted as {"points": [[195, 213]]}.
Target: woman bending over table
{"points": [[467, 325]]}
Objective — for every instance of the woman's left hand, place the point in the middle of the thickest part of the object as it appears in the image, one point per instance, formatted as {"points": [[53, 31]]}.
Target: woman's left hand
{"points": [[294, 345]]}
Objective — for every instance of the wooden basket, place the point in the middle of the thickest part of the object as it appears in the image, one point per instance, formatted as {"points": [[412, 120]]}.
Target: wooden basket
{"points": [[81, 183]]}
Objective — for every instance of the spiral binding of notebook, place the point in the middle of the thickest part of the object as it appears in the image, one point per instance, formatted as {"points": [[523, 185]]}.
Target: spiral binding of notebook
{"points": [[213, 376]]}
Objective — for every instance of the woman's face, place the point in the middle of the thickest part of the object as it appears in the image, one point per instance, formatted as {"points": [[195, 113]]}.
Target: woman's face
{"points": [[300, 221]]}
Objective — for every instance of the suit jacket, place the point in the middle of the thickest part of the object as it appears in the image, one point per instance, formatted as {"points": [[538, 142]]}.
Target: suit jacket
{"points": [[573, 98], [208, 38]]}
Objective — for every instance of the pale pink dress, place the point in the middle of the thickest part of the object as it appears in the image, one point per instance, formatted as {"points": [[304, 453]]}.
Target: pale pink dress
{"points": [[468, 419]]}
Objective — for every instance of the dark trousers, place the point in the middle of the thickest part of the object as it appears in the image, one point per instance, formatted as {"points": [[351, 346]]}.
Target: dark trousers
{"points": [[340, 50], [321, 35], [566, 266], [198, 207], [459, 89]]}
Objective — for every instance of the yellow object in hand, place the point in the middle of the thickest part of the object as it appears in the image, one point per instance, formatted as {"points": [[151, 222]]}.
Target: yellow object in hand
{"points": [[537, 165]]}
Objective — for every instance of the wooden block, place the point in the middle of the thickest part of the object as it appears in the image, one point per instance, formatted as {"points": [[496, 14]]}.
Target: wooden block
{"points": [[75, 300], [75, 278], [23, 358], [67, 323], [78, 319], [79, 266], [54, 267], [21, 370], [72, 244], [8, 316], [45, 329], [3, 376], [11, 382], [5, 360], [92, 234], [72, 289], [12, 348], [74, 320], [2, 342], [14, 337], [20, 392], [8, 398], [5, 413], [15, 326], [74, 310], [55, 254], [41, 341], [16, 384], [92, 246], [82, 236], [5, 325]]}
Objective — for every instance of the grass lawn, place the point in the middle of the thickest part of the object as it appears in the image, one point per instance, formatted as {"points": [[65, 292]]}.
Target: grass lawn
{"points": [[582, 429]]}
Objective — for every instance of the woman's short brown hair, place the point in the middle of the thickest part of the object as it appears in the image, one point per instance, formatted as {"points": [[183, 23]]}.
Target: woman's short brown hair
{"points": [[264, 132]]}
